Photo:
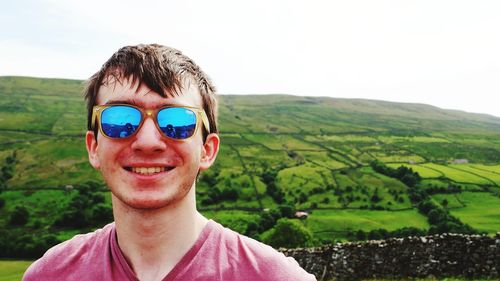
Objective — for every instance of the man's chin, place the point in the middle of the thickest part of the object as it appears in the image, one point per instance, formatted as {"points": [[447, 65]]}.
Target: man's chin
{"points": [[142, 203], [150, 205], [149, 198]]}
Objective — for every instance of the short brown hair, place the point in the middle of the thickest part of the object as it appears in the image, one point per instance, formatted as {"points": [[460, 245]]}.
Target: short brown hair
{"points": [[160, 68]]}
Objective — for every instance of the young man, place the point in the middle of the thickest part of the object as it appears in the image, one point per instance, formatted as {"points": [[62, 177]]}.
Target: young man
{"points": [[151, 129]]}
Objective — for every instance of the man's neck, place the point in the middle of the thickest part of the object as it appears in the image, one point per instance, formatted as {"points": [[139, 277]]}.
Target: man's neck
{"points": [[154, 241]]}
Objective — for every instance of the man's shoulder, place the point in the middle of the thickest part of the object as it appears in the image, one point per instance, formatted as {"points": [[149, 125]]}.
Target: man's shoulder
{"points": [[78, 252], [256, 257]]}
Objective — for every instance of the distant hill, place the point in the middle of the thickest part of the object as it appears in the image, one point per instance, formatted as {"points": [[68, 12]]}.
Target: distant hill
{"points": [[262, 113], [335, 115]]}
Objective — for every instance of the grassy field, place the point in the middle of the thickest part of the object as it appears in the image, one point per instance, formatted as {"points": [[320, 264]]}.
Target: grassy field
{"points": [[457, 175], [42, 204], [452, 199], [334, 224], [397, 156], [423, 171], [12, 270], [320, 150], [342, 138], [489, 174], [491, 168], [481, 211]]}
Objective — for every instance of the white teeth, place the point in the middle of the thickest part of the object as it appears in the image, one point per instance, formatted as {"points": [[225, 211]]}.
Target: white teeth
{"points": [[147, 171]]}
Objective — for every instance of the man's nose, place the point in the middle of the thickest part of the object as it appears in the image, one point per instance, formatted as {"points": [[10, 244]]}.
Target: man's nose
{"points": [[148, 139]]}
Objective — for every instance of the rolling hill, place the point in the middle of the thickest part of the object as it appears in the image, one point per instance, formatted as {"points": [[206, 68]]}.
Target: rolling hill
{"points": [[279, 152]]}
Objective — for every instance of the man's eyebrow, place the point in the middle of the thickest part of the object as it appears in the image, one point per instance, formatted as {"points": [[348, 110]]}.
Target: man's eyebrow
{"points": [[131, 102]]}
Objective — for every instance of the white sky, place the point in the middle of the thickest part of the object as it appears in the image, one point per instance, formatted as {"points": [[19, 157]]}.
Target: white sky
{"points": [[443, 53]]}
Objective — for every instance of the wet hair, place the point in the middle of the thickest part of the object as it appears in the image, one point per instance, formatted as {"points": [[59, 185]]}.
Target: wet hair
{"points": [[162, 69]]}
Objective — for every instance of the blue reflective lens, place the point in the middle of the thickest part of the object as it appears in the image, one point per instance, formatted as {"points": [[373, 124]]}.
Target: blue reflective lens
{"points": [[120, 121], [177, 123]]}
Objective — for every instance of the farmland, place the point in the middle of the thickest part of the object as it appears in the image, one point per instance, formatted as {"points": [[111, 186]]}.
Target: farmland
{"points": [[475, 208], [12, 270], [305, 153], [340, 222]]}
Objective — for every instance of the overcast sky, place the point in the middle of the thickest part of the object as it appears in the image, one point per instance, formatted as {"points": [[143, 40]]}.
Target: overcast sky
{"points": [[443, 53]]}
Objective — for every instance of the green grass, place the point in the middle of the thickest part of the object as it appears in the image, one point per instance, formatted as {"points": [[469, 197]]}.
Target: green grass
{"points": [[256, 157], [279, 142], [234, 139], [400, 139], [52, 163], [395, 156], [238, 220], [43, 206], [334, 224], [453, 201], [342, 138], [10, 137], [303, 178], [322, 159], [366, 179], [13, 270], [491, 168], [457, 175], [481, 211], [493, 176], [433, 183], [423, 171]]}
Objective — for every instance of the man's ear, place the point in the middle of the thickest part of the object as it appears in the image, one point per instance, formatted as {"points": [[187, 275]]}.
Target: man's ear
{"points": [[91, 143], [209, 151]]}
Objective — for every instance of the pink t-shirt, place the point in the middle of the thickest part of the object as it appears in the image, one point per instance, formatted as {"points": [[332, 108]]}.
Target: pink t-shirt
{"points": [[218, 254]]}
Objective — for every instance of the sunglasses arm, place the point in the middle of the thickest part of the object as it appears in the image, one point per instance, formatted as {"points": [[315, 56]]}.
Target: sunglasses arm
{"points": [[94, 117]]}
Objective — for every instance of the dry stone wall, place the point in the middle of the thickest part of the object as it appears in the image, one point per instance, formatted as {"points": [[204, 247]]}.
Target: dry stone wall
{"points": [[442, 255]]}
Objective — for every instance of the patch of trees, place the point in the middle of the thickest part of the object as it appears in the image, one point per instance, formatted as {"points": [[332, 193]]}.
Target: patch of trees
{"points": [[7, 170], [216, 195], [317, 190], [278, 227], [378, 234], [289, 234], [87, 208], [269, 178], [225, 191], [299, 159], [451, 188], [397, 195], [19, 216], [376, 197], [302, 198], [209, 177], [19, 243], [402, 173], [441, 221], [373, 207], [6, 173], [268, 219]]}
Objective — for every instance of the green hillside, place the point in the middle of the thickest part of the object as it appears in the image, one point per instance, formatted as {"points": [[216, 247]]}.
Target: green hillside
{"points": [[338, 159]]}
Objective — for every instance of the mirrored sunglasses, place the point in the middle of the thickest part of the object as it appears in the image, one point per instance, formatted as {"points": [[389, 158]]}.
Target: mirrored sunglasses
{"points": [[119, 121]]}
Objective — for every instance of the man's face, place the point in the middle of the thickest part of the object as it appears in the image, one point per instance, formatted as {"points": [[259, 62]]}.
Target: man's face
{"points": [[179, 161]]}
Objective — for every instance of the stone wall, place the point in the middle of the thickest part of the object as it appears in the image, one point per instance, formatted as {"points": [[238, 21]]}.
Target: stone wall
{"points": [[442, 255]]}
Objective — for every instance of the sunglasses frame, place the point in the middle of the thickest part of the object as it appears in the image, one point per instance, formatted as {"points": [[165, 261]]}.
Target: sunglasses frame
{"points": [[97, 111]]}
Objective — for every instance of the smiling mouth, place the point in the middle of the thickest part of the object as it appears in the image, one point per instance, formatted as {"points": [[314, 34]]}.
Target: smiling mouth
{"points": [[148, 170]]}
